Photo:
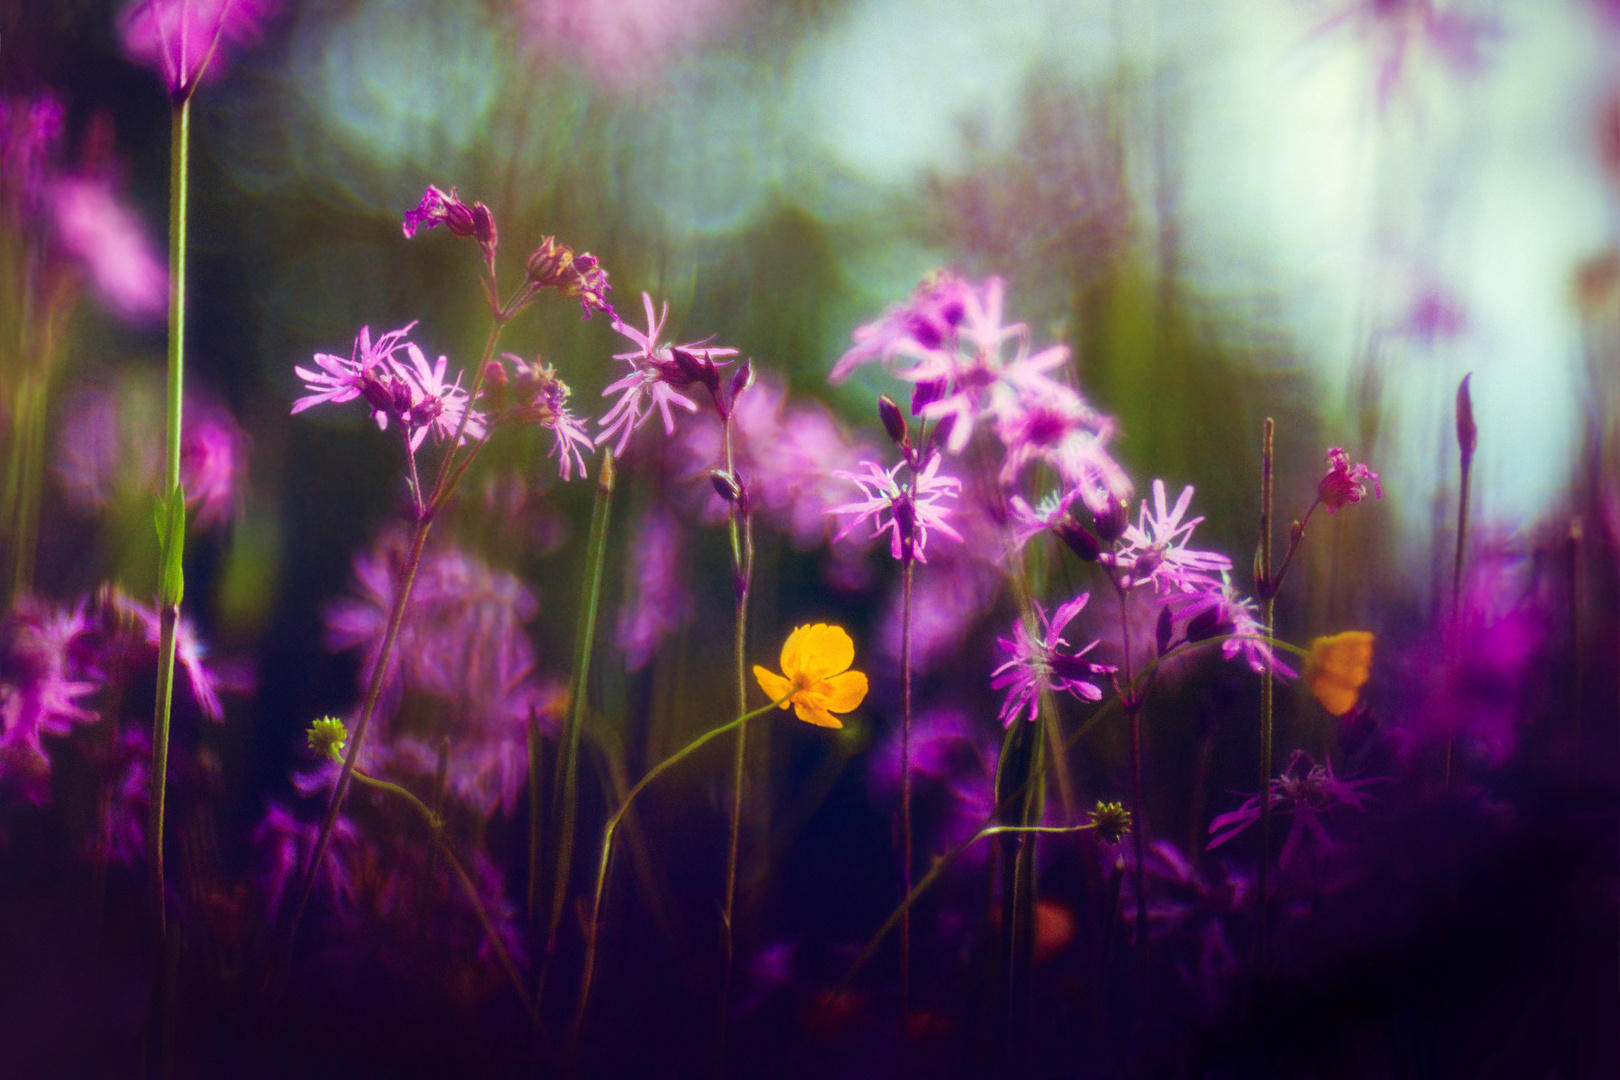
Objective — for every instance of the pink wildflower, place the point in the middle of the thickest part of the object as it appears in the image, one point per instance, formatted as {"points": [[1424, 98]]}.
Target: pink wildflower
{"points": [[1036, 664], [1345, 483], [912, 510], [180, 38]]}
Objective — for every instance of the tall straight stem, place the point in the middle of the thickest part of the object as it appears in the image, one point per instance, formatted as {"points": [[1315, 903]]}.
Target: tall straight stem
{"points": [[905, 804], [1133, 709], [1267, 689], [566, 792], [169, 559], [742, 564]]}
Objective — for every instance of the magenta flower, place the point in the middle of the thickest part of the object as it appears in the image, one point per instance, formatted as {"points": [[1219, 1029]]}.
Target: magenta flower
{"points": [[1397, 29], [414, 394], [44, 671], [123, 818], [656, 601], [212, 463], [437, 208], [1345, 483], [180, 38], [1155, 549], [1035, 664], [1305, 789], [651, 382], [105, 236], [534, 395], [205, 680], [912, 510], [1214, 609], [285, 844], [29, 128], [916, 329]]}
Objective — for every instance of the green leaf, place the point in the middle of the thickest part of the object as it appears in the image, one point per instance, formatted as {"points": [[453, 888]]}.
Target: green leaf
{"points": [[172, 538]]}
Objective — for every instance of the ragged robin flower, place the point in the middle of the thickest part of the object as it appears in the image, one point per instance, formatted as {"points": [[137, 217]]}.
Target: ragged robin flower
{"points": [[815, 678], [1338, 667]]}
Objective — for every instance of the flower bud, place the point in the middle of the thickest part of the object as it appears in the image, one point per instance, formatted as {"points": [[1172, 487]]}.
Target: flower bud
{"points": [[1467, 431], [1111, 821], [893, 421], [327, 736], [553, 265], [1111, 520], [742, 377], [495, 385], [1080, 539], [725, 485], [941, 435]]}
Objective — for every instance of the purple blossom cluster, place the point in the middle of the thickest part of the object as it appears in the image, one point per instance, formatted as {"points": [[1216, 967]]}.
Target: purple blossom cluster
{"points": [[463, 648]]}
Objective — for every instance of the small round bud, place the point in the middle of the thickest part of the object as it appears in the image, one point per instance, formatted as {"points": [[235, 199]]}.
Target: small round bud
{"points": [[327, 737], [726, 486], [1111, 821]]}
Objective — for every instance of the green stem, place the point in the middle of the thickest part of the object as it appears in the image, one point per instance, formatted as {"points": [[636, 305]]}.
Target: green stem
{"points": [[436, 826], [169, 559], [566, 784], [742, 556], [593, 928]]}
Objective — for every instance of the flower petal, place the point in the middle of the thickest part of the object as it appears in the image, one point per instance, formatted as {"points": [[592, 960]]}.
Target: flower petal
{"points": [[810, 714], [776, 688], [813, 653], [843, 692]]}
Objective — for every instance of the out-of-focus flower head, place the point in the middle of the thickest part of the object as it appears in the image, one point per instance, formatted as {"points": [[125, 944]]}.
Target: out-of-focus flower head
{"points": [[534, 395], [815, 678], [1397, 29], [556, 266], [110, 444], [656, 600], [1035, 664], [106, 237], [123, 816], [183, 39], [624, 44], [29, 129], [212, 463], [285, 844], [1485, 675], [654, 377], [1155, 549], [44, 672], [1338, 667], [915, 330], [1306, 790], [205, 679], [912, 508], [1346, 483]]}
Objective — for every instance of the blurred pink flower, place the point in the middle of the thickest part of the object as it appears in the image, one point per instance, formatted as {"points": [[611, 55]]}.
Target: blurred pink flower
{"points": [[656, 601], [102, 233], [1396, 30], [624, 44], [42, 677], [184, 40]]}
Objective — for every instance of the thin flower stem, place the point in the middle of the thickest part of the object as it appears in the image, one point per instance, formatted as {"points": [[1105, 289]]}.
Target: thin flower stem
{"points": [[566, 783], [991, 827], [1132, 702], [171, 582], [742, 555], [436, 826], [443, 486], [905, 803], [1264, 586], [593, 928]]}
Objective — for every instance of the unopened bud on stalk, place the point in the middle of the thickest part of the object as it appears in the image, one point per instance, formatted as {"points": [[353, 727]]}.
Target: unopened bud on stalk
{"points": [[726, 486], [1080, 539], [1467, 431], [1112, 520], [894, 422], [742, 377]]}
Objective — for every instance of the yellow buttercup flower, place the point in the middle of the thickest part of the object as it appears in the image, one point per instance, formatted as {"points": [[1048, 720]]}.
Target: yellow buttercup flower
{"points": [[1338, 667], [817, 682]]}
